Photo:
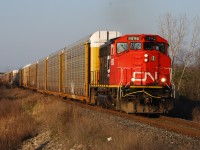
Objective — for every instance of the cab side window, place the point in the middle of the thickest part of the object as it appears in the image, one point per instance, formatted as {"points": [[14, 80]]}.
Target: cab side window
{"points": [[121, 47], [161, 47]]}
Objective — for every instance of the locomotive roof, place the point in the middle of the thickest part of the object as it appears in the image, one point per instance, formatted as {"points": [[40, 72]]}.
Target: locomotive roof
{"points": [[109, 41]]}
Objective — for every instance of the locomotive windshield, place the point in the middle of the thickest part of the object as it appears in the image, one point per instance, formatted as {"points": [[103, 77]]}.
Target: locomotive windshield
{"points": [[121, 47], [155, 46], [135, 46], [149, 46]]}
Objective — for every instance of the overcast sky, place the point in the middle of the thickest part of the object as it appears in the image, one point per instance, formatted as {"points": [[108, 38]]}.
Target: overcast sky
{"points": [[33, 29]]}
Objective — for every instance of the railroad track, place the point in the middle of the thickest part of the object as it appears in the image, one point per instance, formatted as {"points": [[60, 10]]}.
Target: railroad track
{"points": [[182, 126], [176, 125]]}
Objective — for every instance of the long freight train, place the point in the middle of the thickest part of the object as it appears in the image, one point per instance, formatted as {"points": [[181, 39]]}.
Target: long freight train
{"points": [[131, 73]]}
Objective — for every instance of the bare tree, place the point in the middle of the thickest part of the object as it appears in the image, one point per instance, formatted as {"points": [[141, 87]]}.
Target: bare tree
{"points": [[192, 48], [183, 38], [197, 74], [174, 30]]}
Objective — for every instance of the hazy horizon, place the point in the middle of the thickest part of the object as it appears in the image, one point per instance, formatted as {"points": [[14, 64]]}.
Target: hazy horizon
{"points": [[31, 30]]}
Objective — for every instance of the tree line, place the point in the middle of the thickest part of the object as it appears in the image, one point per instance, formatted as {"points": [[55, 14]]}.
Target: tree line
{"points": [[183, 36]]}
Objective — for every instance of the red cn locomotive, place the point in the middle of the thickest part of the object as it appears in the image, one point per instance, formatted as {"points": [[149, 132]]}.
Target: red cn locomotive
{"points": [[135, 74]]}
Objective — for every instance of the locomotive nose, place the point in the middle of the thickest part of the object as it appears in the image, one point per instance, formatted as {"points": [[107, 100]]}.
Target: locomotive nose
{"points": [[146, 69]]}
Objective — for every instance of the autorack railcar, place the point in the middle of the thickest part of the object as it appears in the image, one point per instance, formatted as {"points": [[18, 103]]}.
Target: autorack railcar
{"points": [[67, 71], [10, 78]]}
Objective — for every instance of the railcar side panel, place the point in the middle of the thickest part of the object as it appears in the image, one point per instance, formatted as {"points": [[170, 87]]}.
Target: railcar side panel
{"points": [[26, 76], [62, 70], [74, 75], [21, 77], [41, 75], [33, 76], [53, 73]]}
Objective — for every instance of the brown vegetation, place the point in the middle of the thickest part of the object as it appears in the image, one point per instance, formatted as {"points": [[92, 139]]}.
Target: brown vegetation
{"points": [[184, 52], [94, 134], [185, 55], [196, 114], [186, 109], [24, 114], [79, 127], [15, 124]]}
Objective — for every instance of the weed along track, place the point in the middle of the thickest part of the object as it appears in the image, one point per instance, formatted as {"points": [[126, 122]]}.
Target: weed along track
{"points": [[57, 123], [176, 125]]}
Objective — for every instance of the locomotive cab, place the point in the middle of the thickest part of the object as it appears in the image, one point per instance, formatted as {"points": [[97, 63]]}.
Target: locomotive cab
{"points": [[135, 70]]}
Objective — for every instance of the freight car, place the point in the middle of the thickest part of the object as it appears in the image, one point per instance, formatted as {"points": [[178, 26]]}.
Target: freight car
{"points": [[130, 73], [10, 78]]}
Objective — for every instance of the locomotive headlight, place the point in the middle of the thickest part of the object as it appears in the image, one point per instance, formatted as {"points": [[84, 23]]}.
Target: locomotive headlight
{"points": [[133, 79], [163, 80], [146, 55], [146, 60]]}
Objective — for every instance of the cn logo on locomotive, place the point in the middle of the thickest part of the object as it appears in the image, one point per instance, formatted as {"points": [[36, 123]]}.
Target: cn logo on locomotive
{"points": [[137, 76]]}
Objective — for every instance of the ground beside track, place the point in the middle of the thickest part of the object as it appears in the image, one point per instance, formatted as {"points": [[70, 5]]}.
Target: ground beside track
{"points": [[61, 125]]}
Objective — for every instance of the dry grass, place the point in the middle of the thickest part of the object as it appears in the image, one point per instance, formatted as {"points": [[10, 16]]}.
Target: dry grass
{"points": [[48, 110], [15, 124], [24, 113], [196, 114], [78, 127]]}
